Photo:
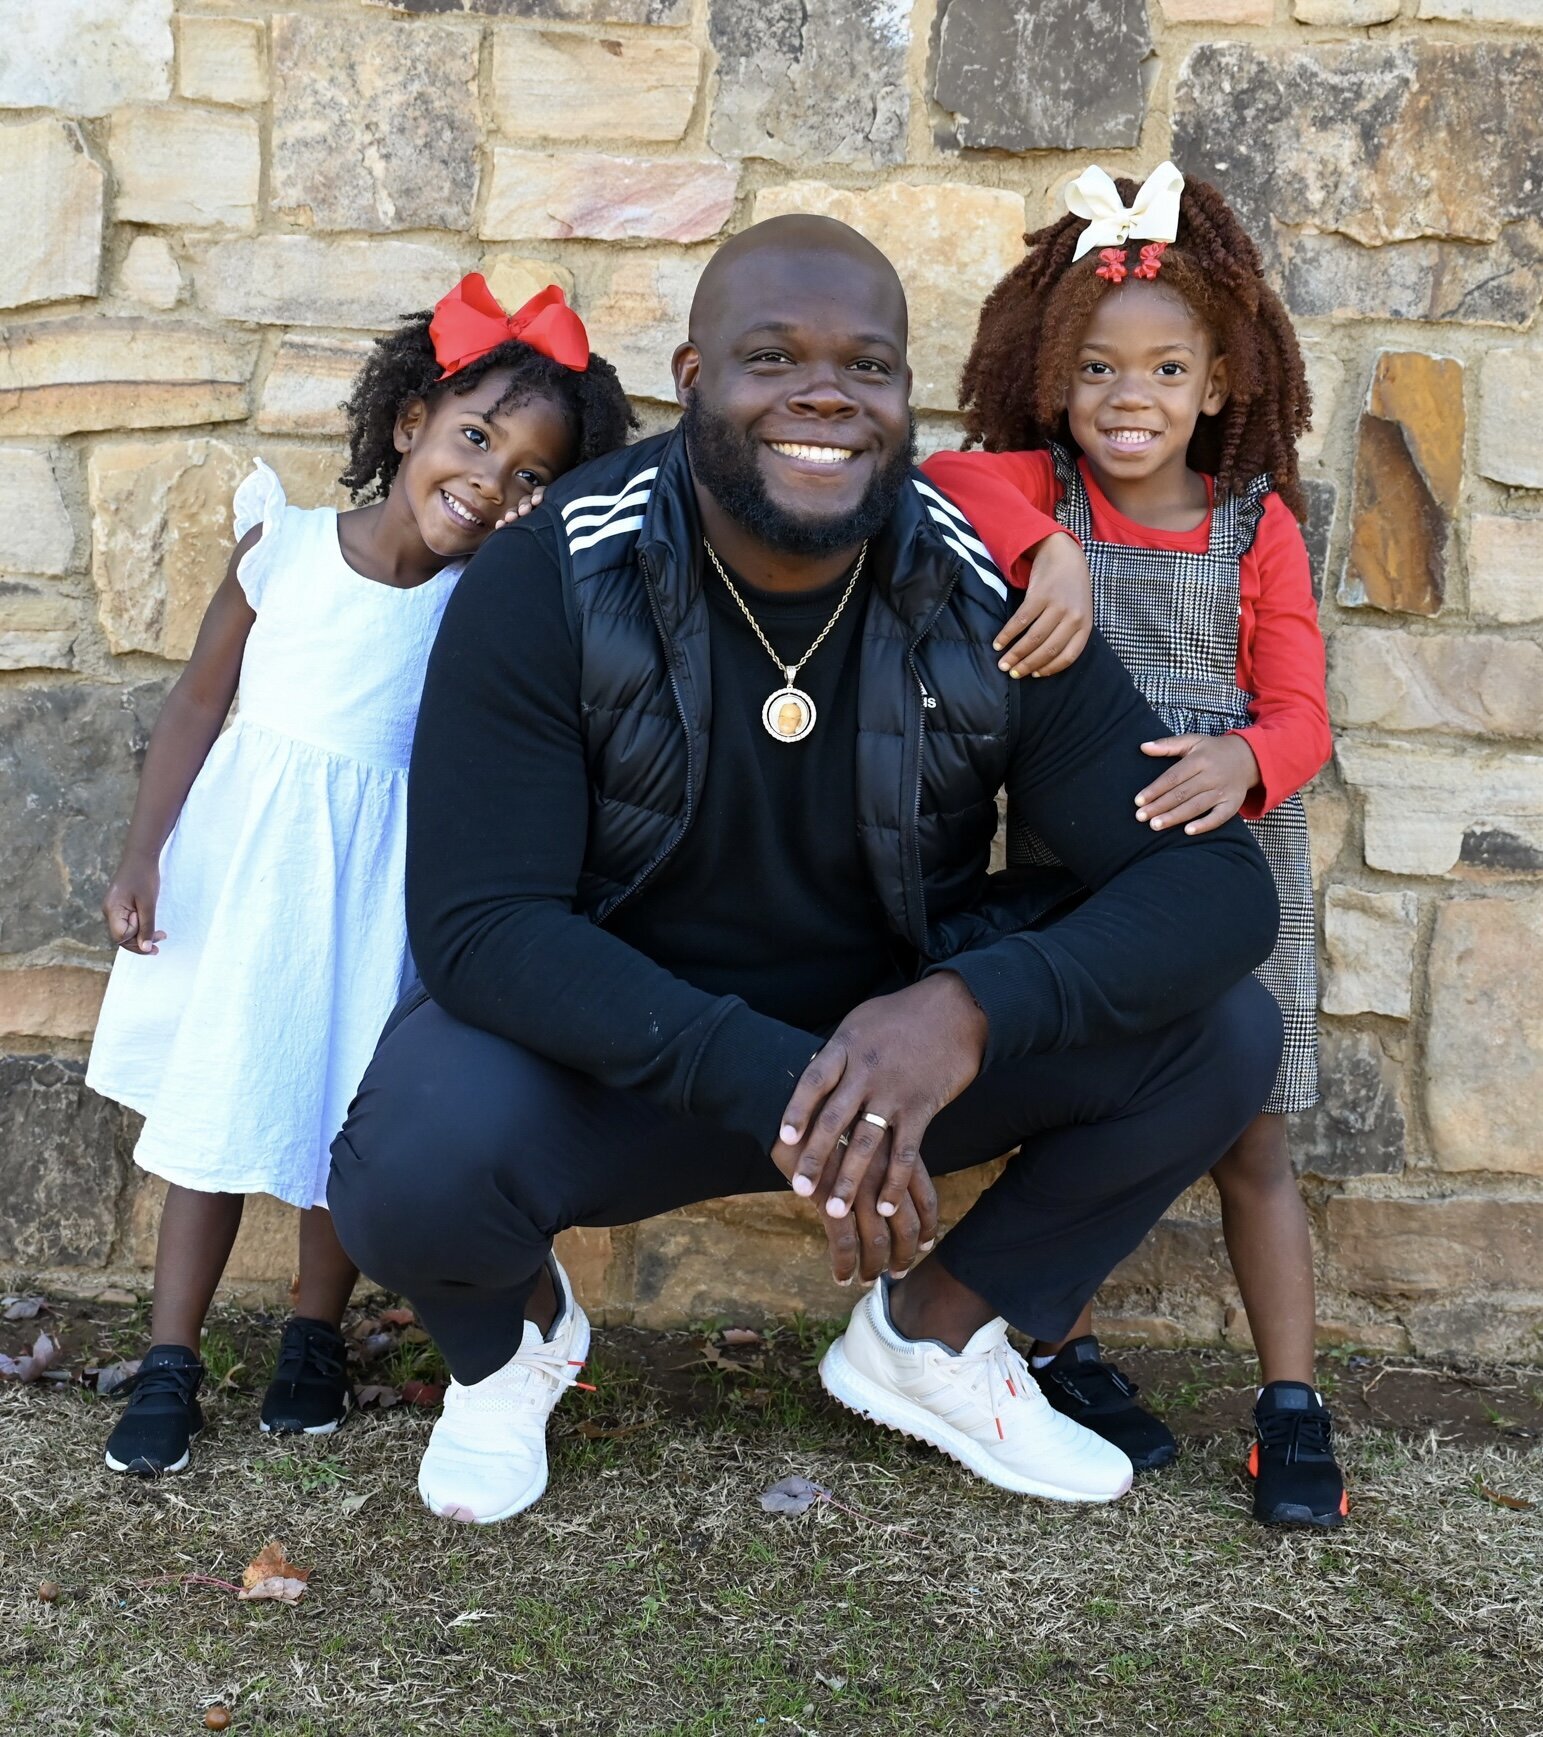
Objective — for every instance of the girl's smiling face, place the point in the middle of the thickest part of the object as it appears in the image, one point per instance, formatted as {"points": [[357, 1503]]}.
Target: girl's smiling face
{"points": [[465, 463], [1145, 372]]}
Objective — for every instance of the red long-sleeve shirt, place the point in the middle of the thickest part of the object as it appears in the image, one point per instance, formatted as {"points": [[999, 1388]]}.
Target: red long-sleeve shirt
{"points": [[1011, 497]]}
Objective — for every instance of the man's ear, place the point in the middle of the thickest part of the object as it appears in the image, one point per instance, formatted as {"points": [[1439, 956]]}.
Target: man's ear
{"points": [[1218, 389], [409, 424], [685, 365]]}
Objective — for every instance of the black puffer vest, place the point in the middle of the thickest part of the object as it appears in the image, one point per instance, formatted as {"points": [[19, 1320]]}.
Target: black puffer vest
{"points": [[934, 711]]}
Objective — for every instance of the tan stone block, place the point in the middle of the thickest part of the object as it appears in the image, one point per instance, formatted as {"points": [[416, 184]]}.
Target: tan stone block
{"points": [[1483, 1084], [194, 167], [150, 273], [1408, 475], [85, 56], [1219, 11], [1422, 1246], [58, 1001], [1348, 13], [640, 316], [514, 280], [1505, 568], [267, 1246], [374, 126], [1369, 946], [161, 538], [546, 196], [222, 60], [1483, 1327], [1328, 825], [592, 1257], [695, 1268], [1511, 417], [1180, 1254], [1325, 380], [593, 89], [1476, 683], [950, 243], [36, 532], [1518, 14], [310, 473], [51, 194], [307, 385], [37, 627], [75, 376], [305, 280], [1426, 809]]}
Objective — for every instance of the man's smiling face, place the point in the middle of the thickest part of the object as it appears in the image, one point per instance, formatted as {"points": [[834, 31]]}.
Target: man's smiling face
{"points": [[795, 385]]}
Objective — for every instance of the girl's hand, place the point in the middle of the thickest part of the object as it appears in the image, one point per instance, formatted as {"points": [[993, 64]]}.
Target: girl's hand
{"points": [[522, 509], [1209, 784], [1050, 630], [129, 907]]}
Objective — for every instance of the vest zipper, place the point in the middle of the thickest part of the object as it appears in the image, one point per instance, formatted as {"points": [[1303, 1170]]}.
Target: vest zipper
{"points": [[927, 704], [688, 813]]}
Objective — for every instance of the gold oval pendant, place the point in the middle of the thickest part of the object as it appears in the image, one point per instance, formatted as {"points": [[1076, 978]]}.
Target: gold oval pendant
{"points": [[788, 714]]}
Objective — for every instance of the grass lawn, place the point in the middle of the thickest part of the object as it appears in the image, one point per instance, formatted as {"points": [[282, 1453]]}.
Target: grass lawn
{"points": [[649, 1593]]}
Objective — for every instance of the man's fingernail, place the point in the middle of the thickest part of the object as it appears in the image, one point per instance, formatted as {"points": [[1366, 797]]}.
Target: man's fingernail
{"points": [[1141, 814], [996, 645], [803, 1185], [837, 1208], [843, 1283], [886, 1209], [928, 1247], [788, 1134], [1017, 675]]}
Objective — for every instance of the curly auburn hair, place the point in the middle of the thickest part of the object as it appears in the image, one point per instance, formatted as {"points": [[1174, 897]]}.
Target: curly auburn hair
{"points": [[402, 366], [1013, 390]]}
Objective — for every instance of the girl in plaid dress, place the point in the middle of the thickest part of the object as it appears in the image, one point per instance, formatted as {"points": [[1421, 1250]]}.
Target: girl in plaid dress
{"points": [[1136, 379]]}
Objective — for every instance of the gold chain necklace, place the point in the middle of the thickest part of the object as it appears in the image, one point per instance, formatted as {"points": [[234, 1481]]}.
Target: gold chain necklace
{"points": [[788, 714]]}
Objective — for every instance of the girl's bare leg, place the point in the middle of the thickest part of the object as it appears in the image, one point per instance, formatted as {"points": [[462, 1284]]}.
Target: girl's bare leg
{"points": [[1268, 1240], [197, 1230], [326, 1274]]}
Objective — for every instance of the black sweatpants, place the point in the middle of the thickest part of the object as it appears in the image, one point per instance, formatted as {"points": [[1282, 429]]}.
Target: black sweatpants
{"points": [[464, 1155]]}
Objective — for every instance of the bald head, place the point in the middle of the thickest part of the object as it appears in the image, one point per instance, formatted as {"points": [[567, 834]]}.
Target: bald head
{"points": [[798, 250]]}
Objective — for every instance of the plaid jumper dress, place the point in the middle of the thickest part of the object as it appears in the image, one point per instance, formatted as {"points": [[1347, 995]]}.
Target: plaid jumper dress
{"points": [[1172, 619]]}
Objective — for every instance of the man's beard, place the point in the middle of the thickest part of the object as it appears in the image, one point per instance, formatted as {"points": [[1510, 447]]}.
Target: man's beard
{"points": [[726, 463]]}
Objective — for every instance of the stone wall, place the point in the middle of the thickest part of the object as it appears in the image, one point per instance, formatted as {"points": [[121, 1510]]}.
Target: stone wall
{"points": [[211, 204]]}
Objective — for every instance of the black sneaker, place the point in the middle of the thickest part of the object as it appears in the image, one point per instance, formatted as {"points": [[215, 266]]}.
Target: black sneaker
{"points": [[1297, 1481], [309, 1393], [155, 1433], [1081, 1385]]}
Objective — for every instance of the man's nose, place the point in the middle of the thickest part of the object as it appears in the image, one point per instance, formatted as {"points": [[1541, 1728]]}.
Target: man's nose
{"points": [[822, 392]]}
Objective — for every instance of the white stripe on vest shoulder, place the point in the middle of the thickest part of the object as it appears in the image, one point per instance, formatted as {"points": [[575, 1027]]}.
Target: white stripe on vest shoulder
{"points": [[616, 528], [960, 536], [632, 482]]}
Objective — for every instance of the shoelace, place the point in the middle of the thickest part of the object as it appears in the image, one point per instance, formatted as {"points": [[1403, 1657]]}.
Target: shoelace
{"points": [[167, 1381], [1305, 1435], [993, 1371], [1083, 1381], [304, 1349]]}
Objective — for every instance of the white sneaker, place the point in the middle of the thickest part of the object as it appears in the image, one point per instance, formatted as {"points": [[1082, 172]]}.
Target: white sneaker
{"points": [[979, 1405], [486, 1459]]}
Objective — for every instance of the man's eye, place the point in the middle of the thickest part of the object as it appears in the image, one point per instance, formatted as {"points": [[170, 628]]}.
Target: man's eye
{"points": [[871, 365], [771, 356], [476, 436]]}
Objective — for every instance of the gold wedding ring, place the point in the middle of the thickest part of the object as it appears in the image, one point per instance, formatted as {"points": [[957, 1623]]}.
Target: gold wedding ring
{"points": [[877, 1120]]}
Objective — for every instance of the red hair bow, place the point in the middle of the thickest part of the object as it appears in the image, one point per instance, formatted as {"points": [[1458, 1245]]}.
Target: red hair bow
{"points": [[1113, 267], [468, 323], [1151, 259]]}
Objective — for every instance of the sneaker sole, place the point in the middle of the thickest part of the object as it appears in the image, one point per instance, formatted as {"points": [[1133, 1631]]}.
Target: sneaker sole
{"points": [[142, 1469], [1294, 1514], [855, 1391], [307, 1429], [531, 1494]]}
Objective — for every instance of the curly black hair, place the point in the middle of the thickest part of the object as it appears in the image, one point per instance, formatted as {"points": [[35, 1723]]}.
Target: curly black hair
{"points": [[1013, 390], [402, 366]]}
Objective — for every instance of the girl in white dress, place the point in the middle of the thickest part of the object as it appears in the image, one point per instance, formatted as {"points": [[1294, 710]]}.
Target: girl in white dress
{"points": [[258, 908]]}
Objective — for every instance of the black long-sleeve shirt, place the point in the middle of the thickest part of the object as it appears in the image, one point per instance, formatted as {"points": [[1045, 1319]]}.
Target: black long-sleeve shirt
{"points": [[685, 1005]]}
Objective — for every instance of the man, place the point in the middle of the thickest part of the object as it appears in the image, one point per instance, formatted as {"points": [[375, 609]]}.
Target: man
{"points": [[706, 769]]}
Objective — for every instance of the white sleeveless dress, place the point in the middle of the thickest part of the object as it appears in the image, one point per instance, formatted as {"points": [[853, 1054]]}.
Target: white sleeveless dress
{"points": [[241, 1042]]}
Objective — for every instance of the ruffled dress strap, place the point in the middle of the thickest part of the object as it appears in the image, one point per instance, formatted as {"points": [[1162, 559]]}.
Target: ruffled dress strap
{"points": [[259, 500]]}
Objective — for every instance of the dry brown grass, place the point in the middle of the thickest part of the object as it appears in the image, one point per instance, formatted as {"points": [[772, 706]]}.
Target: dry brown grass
{"points": [[650, 1594]]}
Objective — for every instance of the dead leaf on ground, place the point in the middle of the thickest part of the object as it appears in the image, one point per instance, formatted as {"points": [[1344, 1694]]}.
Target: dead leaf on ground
{"points": [[425, 1393], [115, 1377], [271, 1575], [741, 1336], [793, 1496], [376, 1394], [715, 1357], [1501, 1500], [611, 1431], [23, 1308], [44, 1354], [352, 1504], [398, 1318]]}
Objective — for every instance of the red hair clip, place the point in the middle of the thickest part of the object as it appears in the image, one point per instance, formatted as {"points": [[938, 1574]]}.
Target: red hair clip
{"points": [[1151, 259], [1113, 268]]}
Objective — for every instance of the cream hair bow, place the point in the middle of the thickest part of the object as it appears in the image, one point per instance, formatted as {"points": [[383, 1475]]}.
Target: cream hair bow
{"points": [[1154, 215]]}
